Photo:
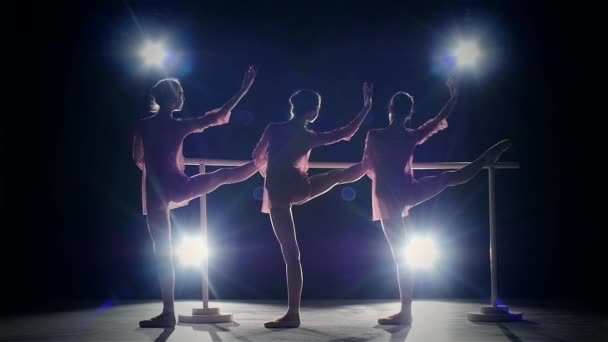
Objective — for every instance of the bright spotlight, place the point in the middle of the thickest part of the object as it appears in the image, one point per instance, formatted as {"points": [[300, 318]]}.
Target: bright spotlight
{"points": [[421, 253], [153, 53], [191, 251], [467, 53]]}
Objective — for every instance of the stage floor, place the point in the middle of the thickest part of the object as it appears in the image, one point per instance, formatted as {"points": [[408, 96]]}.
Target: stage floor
{"points": [[354, 321]]}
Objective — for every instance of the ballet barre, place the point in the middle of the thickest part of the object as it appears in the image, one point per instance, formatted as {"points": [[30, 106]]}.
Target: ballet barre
{"points": [[488, 313]]}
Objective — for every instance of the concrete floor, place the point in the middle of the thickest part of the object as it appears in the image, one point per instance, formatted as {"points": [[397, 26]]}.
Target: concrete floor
{"points": [[353, 321]]}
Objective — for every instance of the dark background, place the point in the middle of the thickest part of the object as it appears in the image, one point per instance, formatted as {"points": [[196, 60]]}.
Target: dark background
{"points": [[71, 193]]}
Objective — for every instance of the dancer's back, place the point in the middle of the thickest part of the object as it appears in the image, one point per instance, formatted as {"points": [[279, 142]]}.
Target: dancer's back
{"points": [[289, 148], [389, 152], [162, 140], [388, 158]]}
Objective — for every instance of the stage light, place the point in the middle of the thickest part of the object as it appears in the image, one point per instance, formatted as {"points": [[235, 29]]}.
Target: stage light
{"points": [[467, 53], [154, 53], [191, 251], [421, 253]]}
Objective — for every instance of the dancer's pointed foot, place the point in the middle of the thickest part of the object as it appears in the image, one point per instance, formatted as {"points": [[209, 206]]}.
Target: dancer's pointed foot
{"points": [[492, 154]]}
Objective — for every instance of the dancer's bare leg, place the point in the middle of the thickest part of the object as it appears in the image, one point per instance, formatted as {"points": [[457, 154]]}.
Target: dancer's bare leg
{"points": [[284, 229], [208, 182], [395, 233], [322, 183], [160, 231], [428, 187]]}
